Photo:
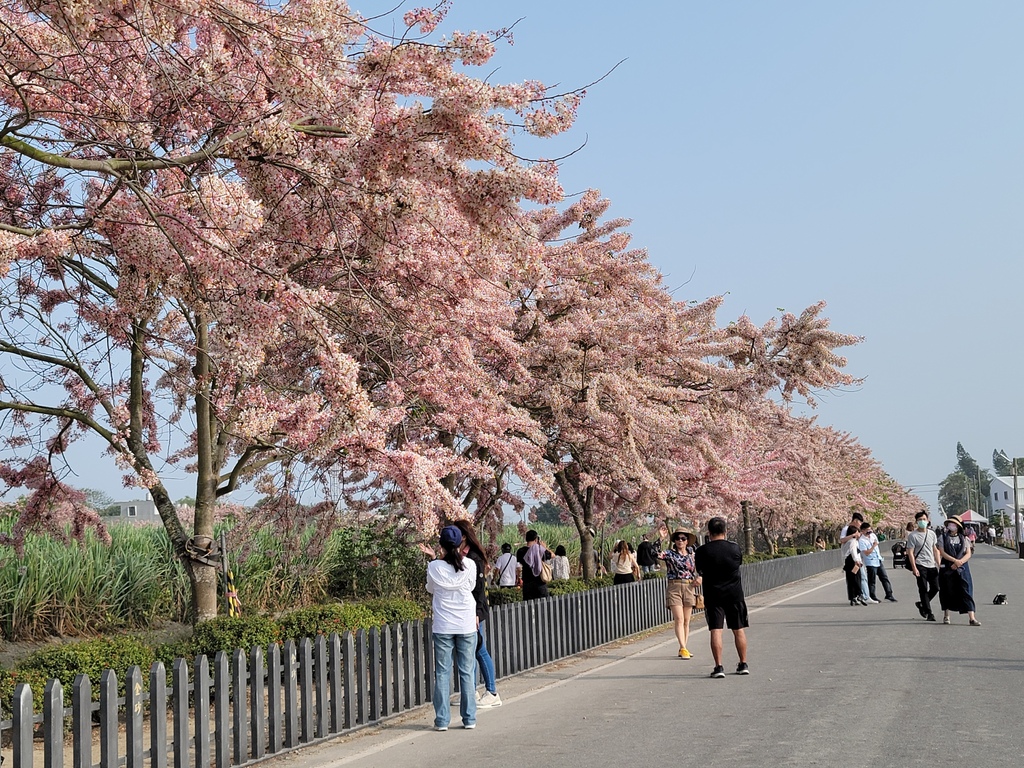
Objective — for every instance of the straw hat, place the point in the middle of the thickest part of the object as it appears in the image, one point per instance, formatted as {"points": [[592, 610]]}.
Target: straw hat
{"points": [[956, 519]]}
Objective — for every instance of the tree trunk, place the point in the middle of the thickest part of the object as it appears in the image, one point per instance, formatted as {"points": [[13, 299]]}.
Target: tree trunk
{"points": [[204, 577], [581, 509], [748, 531]]}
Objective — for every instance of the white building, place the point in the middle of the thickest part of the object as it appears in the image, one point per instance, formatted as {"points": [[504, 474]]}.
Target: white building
{"points": [[1000, 498], [141, 511]]}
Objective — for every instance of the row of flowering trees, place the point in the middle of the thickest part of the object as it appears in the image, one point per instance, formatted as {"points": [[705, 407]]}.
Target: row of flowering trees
{"points": [[265, 243]]}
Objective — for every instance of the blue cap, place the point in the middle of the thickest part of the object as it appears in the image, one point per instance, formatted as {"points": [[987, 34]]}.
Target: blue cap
{"points": [[451, 537]]}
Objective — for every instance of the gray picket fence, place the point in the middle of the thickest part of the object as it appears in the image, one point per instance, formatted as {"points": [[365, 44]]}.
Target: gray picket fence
{"points": [[252, 705]]}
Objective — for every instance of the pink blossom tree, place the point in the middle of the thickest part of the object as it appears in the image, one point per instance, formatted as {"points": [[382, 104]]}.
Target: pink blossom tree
{"points": [[244, 237], [636, 393]]}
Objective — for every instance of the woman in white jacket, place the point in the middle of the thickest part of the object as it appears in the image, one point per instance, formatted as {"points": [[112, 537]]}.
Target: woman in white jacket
{"points": [[451, 580]]}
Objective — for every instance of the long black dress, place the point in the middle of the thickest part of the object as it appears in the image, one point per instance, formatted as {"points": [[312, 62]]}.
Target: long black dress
{"points": [[956, 590]]}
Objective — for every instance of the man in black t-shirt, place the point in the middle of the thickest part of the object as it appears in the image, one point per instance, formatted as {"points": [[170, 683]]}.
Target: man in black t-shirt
{"points": [[646, 555], [530, 558], [718, 563]]}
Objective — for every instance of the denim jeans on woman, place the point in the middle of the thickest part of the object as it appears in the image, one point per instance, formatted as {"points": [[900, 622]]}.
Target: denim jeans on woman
{"points": [[484, 660], [463, 648]]}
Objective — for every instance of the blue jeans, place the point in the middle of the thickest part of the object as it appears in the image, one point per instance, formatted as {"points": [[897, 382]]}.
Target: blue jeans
{"points": [[463, 647], [484, 661]]}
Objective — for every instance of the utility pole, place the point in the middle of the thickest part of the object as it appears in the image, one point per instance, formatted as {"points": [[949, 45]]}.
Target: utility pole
{"points": [[981, 504], [1016, 515]]}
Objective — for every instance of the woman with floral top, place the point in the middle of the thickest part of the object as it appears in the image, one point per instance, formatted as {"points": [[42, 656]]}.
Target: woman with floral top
{"points": [[682, 585]]}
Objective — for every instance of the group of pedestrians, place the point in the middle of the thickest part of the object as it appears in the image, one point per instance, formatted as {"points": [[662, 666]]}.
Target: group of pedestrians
{"points": [[939, 562], [708, 574], [863, 564], [457, 584]]}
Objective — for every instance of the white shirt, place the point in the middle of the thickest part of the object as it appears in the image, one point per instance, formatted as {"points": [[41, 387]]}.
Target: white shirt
{"points": [[851, 547], [560, 568], [454, 607], [506, 568]]}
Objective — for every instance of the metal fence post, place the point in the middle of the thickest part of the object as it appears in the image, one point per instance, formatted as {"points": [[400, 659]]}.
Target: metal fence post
{"points": [[257, 702], [53, 725], [133, 718], [157, 716]]}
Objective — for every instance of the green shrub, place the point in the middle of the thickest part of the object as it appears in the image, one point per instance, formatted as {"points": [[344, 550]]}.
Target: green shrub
{"points": [[167, 653], [373, 560], [652, 575], [504, 595], [325, 619], [90, 658], [10, 679], [565, 587], [395, 610], [597, 582], [225, 633]]}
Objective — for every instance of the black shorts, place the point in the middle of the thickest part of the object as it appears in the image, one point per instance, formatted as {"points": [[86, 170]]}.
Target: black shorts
{"points": [[733, 615]]}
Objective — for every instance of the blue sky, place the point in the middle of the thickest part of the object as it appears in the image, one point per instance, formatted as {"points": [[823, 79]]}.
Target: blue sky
{"points": [[868, 154]]}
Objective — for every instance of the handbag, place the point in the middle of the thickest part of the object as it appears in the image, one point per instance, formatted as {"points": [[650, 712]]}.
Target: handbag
{"points": [[636, 570], [855, 569], [698, 601], [545, 571]]}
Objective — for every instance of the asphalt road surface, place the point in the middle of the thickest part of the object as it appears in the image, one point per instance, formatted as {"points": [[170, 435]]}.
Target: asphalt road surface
{"points": [[830, 685]]}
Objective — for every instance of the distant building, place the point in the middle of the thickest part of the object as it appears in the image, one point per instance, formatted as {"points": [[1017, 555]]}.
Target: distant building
{"points": [[1001, 495], [141, 511]]}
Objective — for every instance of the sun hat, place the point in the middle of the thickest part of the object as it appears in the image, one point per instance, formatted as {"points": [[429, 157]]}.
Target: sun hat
{"points": [[450, 536], [688, 534]]}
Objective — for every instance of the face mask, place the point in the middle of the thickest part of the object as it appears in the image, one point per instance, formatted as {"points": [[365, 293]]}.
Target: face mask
{"points": [[922, 524], [951, 529]]}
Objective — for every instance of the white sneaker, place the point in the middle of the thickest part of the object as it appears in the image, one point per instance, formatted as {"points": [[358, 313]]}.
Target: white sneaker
{"points": [[871, 600], [488, 700]]}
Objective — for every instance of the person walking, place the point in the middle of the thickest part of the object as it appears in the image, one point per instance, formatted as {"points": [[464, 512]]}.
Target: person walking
{"points": [[560, 565], [865, 547], [450, 581], [923, 556], [956, 590], [647, 555], [718, 564], [624, 568], [681, 594], [485, 664], [874, 564], [852, 565], [533, 555], [506, 568]]}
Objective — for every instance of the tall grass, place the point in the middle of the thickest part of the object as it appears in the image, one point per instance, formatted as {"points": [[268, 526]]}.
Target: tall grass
{"points": [[71, 589], [136, 582]]}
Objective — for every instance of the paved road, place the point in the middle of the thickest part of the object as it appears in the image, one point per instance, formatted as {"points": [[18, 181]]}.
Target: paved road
{"points": [[830, 685]]}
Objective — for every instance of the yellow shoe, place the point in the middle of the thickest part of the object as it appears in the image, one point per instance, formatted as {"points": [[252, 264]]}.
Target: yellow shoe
{"points": [[684, 654]]}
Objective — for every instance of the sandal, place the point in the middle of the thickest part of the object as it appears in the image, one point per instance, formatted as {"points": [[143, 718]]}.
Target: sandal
{"points": [[975, 623]]}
